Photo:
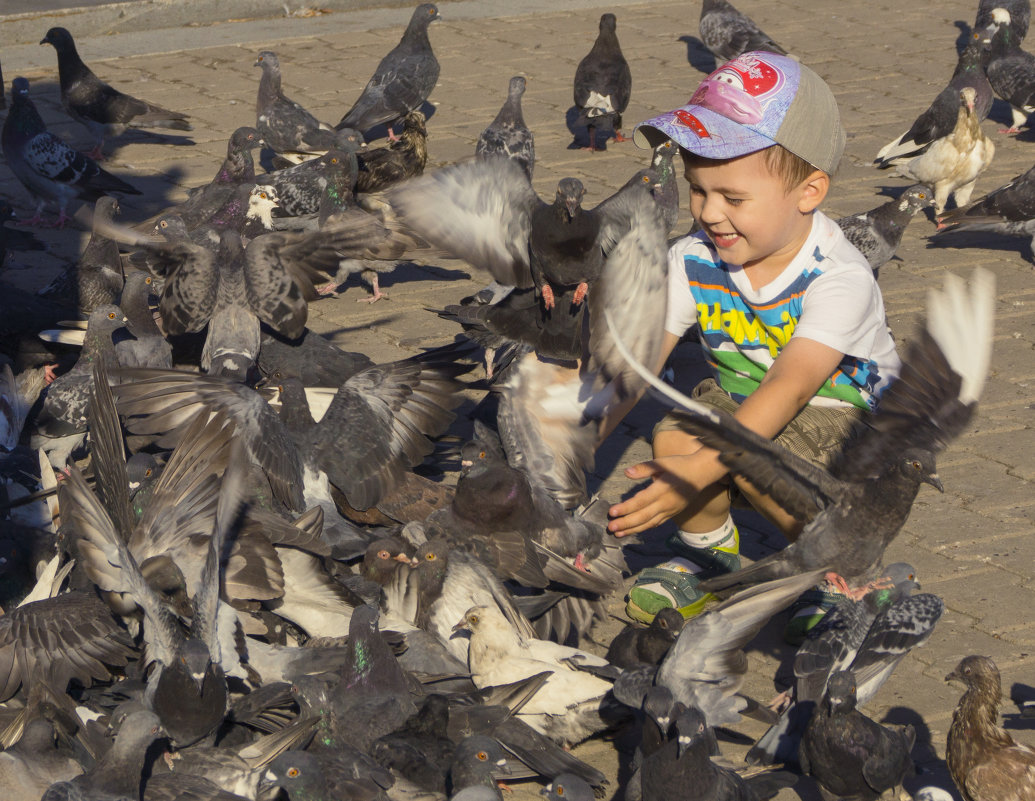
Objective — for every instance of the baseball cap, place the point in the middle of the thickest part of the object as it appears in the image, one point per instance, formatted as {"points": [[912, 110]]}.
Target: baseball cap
{"points": [[750, 103]]}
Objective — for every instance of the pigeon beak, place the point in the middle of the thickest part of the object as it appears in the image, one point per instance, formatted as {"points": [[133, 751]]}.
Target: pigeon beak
{"points": [[934, 481], [401, 557], [461, 626], [44, 41], [954, 676], [572, 205]]}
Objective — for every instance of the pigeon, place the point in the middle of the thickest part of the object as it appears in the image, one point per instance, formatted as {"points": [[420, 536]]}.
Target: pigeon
{"points": [[382, 167], [507, 135], [307, 776], [98, 274], [18, 394], [13, 240], [878, 232], [940, 117], [402, 81], [421, 749], [603, 84], [237, 168], [856, 509], [299, 189], [727, 33], [870, 637], [952, 164], [985, 762], [1010, 209], [681, 768], [1011, 70], [850, 755], [478, 761], [705, 667], [45, 165], [635, 646], [568, 787], [1019, 11], [148, 347], [571, 705], [667, 192], [310, 357], [487, 214], [104, 110], [281, 122], [35, 762], [117, 775]]}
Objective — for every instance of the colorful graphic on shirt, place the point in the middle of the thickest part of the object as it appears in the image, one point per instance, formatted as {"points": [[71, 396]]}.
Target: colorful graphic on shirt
{"points": [[742, 340]]}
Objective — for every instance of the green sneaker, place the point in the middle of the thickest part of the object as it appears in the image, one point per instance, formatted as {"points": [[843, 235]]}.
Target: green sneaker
{"points": [[806, 613], [674, 583]]}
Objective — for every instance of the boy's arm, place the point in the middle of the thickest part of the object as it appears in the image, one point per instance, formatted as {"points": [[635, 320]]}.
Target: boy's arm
{"points": [[791, 382]]}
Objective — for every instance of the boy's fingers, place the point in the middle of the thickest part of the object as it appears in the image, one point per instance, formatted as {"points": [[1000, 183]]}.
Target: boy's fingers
{"points": [[643, 470]]}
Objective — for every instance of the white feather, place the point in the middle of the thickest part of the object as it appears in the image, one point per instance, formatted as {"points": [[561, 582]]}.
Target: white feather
{"points": [[961, 321]]}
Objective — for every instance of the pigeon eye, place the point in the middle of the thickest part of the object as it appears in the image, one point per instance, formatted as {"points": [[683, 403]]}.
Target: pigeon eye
{"points": [[481, 454], [111, 315], [155, 729], [482, 756], [292, 773], [262, 195], [163, 224], [645, 179], [473, 619], [559, 790], [147, 473], [430, 556], [915, 465], [383, 555], [334, 161]]}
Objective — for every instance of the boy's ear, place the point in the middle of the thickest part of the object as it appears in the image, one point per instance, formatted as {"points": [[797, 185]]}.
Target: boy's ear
{"points": [[812, 191]]}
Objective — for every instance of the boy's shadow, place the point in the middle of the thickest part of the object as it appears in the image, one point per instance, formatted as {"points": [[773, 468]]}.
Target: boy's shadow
{"points": [[698, 56]]}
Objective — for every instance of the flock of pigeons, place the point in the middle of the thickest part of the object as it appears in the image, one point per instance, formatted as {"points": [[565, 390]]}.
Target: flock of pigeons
{"points": [[227, 570]]}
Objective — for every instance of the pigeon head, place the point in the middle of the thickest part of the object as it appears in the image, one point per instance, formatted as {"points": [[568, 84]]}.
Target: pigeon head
{"points": [[473, 619], [568, 787], [840, 694], [139, 729], [669, 621], [423, 16], [919, 465], [915, 198], [196, 659], [349, 140], [479, 757], [432, 558], [244, 139], [268, 60], [967, 97], [978, 673], [691, 727], [20, 88], [414, 123], [172, 228], [646, 179], [142, 469], [261, 202], [569, 196], [293, 771], [60, 38], [383, 558], [517, 86], [608, 23], [106, 318], [657, 705]]}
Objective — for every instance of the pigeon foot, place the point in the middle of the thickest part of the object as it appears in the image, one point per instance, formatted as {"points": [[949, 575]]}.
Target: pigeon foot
{"points": [[548, 300], [580, 293]]}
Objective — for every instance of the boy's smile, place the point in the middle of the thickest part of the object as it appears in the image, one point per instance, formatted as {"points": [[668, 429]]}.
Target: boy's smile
{"points": [[749, 214]]}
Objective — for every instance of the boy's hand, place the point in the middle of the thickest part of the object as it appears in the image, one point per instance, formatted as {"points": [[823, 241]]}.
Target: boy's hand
{"points": [[670, 492]]}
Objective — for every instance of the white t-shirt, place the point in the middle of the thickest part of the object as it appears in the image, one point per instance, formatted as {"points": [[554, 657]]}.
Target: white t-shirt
{"points": [[827, 294]]}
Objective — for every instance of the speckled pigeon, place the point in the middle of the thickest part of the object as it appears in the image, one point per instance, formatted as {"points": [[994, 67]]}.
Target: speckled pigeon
{"points": [[282, 123], [727, 32], [46, 166], [878, 232], [507, 135]]}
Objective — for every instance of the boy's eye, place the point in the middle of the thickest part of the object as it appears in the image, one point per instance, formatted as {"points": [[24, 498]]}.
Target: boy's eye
{"points": [[734, 201]]}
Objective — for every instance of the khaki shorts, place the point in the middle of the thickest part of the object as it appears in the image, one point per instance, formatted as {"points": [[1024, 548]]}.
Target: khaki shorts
{"points": [[817, 433]]}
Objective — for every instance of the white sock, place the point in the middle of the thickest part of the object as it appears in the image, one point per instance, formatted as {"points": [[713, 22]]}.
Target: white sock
{"points": [[709, 539]]}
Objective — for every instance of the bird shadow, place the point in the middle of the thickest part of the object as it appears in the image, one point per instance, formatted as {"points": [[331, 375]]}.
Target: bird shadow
{"points": [[381, 131], [580, 133], [987, 240], [931, 769], [697, 55], [963, 39]]}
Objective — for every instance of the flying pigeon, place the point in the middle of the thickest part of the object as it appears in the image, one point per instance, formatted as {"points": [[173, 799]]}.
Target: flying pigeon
{"points": [[985, 762], [603, 84], [46, 166], [1010, 209], [850, 755], [282, 123], [940, 117], [402, 81], [104, 110], [860, 505], [507, 135], [727, 32], [1011, 70], [953, 163], [878, 232]]}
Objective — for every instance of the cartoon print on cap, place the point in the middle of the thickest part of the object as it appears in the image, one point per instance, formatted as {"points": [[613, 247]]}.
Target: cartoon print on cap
{"points": [[737, 91]]}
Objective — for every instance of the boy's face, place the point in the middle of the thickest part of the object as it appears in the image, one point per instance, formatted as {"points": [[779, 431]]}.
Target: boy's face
{"points": [[748, 212]]}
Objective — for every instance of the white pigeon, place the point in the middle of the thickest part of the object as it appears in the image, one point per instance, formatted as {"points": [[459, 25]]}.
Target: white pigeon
{"points": [[568, 706], [953, 163]]}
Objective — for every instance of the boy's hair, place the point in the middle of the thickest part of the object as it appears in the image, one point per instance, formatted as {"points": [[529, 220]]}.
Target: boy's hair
{"points": [[781, 162]]}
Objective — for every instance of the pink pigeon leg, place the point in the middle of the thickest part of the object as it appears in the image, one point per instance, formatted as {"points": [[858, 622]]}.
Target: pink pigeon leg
{"points": [[580, 293], [378, 294], [547, 292]]}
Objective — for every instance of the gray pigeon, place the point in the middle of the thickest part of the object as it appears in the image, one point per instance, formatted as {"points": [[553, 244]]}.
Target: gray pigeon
{"points": [[940, 117], [35, 762], [282, 123], [148, 346], [666, 193], [1011, 70], [1010, 209], [849, 755], [857, 508], [46, 166], [603, 85], [507, 135], [870, 636], [727, 32], [568, 787], [299, 189], [118, 774], [878, 232], [104, 110], [402, 81]]}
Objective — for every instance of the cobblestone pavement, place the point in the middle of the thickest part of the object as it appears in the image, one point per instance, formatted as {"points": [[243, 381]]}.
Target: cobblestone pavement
{"points": [[972, 545]]}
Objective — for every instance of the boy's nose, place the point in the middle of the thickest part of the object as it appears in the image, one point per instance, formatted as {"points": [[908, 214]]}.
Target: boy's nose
{"points": [[711, 212]]}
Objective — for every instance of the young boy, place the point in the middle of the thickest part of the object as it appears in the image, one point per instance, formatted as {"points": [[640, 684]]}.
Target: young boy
{"points": [[791, 320]]}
